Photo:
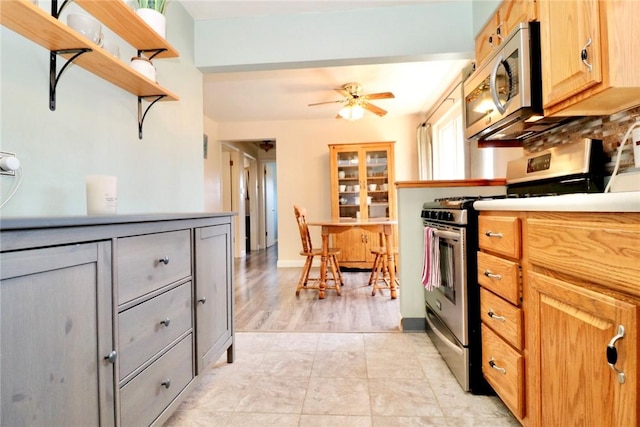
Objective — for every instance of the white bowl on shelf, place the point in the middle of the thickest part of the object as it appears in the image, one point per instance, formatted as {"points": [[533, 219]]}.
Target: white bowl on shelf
{"points": [[87, 26], [144, 67], [342, 188]]}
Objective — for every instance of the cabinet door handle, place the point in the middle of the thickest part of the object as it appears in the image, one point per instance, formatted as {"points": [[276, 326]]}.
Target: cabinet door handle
{"points": [[164, 260], [492, 275], [166, 383], [111, 357], [165, 322], [493, 234], [499, 31], [584, 55], [493, 365], [495, 316], [612, 354], [202, 300]]}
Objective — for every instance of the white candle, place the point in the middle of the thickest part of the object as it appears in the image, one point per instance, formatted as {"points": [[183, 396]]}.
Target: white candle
{"points": [[102, 194]]}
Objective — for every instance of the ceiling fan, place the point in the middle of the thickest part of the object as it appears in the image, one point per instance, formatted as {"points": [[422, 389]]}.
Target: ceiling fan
{"points": [[357, 102]]}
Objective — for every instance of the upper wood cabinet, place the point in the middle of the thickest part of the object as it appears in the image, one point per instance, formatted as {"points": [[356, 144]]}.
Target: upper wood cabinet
{"points": [[590, 56], [500, 24], [362, 177]]}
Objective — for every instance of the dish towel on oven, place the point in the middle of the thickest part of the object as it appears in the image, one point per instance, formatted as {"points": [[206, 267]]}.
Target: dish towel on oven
{"points": [[431, 259]]}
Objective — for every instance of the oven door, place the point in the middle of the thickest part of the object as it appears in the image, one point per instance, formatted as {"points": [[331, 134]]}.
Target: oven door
{"points": [[449, 300]]}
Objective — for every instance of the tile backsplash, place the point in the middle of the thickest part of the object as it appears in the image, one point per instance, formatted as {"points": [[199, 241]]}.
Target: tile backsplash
{"points": [[610, 129]]}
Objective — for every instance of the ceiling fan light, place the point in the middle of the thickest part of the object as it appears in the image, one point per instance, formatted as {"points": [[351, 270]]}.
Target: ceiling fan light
{"points": [[352, 112]]}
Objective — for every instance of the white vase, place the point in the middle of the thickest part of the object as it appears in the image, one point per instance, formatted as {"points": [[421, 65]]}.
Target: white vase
{"points": [[155, 20]]}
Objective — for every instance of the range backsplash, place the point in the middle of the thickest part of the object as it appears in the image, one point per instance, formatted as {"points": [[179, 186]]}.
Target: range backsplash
{"points": [[610, 129]]}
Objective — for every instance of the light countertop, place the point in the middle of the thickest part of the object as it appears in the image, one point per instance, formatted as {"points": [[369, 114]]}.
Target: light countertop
{"points": [[581, 202]]}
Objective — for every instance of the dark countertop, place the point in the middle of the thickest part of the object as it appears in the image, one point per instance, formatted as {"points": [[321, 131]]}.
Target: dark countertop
{"points": [[15, 223]]}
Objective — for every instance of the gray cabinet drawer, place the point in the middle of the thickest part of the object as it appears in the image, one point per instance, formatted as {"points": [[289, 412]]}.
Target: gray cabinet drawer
{"points": [[145, 396], [149, 327], [146, 263]]}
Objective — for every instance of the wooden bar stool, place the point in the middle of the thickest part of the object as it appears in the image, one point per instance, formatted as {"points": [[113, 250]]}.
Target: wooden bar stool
{"points": [[379, 277], [309, 252]]}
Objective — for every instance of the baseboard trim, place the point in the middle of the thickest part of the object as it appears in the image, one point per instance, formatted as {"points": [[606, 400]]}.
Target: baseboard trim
{"points": [[414, 324]]}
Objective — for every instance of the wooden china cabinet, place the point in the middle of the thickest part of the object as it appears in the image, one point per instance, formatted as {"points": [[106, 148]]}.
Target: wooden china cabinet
{"points": [[362, 177]]}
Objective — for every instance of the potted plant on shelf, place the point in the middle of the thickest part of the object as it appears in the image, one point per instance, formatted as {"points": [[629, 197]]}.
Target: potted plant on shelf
{"points": [[152, 12]]}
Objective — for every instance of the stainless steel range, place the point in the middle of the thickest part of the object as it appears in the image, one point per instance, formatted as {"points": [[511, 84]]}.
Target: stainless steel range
{"points": [[451, 224]]}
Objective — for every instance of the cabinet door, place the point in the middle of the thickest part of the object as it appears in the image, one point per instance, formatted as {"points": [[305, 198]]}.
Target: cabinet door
{"points": [[347, 183], [55, 331], [376, 192], [572, 381], [566, 29], [214, 294]]}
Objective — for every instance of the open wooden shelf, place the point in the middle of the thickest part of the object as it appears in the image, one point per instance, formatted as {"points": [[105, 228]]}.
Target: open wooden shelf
{"points": [[123, 21], [35, 24]]}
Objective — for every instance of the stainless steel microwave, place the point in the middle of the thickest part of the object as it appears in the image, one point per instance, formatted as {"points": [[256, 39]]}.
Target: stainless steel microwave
{"points": [[503, 97]]}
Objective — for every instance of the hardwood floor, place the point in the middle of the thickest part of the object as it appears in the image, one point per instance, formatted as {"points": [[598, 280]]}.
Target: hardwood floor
{"points": [[265, 300]]}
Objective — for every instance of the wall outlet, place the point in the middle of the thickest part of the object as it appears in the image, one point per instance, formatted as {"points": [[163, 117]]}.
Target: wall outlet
{"points": [[8, 163]]}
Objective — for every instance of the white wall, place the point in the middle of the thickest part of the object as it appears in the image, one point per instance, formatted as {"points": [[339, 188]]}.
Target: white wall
{"points": [[94, 130], [303, 164], [436, 30]]}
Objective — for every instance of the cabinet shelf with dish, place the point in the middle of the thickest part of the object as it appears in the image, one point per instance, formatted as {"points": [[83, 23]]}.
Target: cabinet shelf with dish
{"points": [[35, 24]]}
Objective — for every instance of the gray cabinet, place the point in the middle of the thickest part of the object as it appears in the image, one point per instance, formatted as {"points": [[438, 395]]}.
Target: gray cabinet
{"points": [[55, 317], [104, 320], [214, 294]]}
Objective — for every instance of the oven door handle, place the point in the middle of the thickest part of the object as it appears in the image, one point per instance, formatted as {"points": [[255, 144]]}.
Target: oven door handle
{"points": [[447, 234], [443, 337]]}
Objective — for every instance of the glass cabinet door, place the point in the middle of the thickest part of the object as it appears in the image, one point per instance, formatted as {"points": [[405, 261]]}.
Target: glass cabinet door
{"points": [[377, 179], [348, 184]]}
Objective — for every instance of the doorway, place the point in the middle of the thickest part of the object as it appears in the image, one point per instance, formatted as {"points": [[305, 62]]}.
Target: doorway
{"points": [[270, 186]]}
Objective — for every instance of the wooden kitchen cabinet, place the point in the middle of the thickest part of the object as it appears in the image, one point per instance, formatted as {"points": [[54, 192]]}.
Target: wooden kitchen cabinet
{"points": [[214, 294], [509, 14], [55, 335], [589, 56], [501, 306], [583, 285], [355, 170]]}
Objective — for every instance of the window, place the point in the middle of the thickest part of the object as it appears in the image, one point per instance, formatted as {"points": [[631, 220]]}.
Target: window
{"points": [[448, 145], [442, 151]]}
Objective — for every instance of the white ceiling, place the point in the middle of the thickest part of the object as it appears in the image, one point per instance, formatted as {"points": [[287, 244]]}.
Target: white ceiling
{"points": [[285, 94]]}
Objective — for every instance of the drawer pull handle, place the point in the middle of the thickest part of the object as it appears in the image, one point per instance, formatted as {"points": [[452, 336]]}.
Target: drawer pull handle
{"points": [[111, 357], [202, 300], [612, 354], [492, 234], [165, 322], [166, 383], [492, 275], [164, 260], [495, 316], [493, 365]]}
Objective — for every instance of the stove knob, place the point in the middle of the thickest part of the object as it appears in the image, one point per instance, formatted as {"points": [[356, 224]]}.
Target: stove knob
{"points": [[434, 214], [424, 214], [449, 216], [441, 215]]}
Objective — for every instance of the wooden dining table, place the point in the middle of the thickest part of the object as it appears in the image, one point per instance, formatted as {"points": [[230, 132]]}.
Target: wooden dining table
{"points": [[383, 226]]}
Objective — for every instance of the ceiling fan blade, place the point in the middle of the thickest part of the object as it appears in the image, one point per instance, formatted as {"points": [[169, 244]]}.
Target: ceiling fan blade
{"points": [[375, 110], [381, 95], [343, 92], [328, 102]]}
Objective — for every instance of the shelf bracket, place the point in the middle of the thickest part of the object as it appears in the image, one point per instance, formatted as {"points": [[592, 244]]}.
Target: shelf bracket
{"points": [[155, 52], [54, 76], [55, 12], [141, 116]]}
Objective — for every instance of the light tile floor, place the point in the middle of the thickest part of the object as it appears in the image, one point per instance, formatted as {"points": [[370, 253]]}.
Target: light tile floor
{"points": [[335, 379]]}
